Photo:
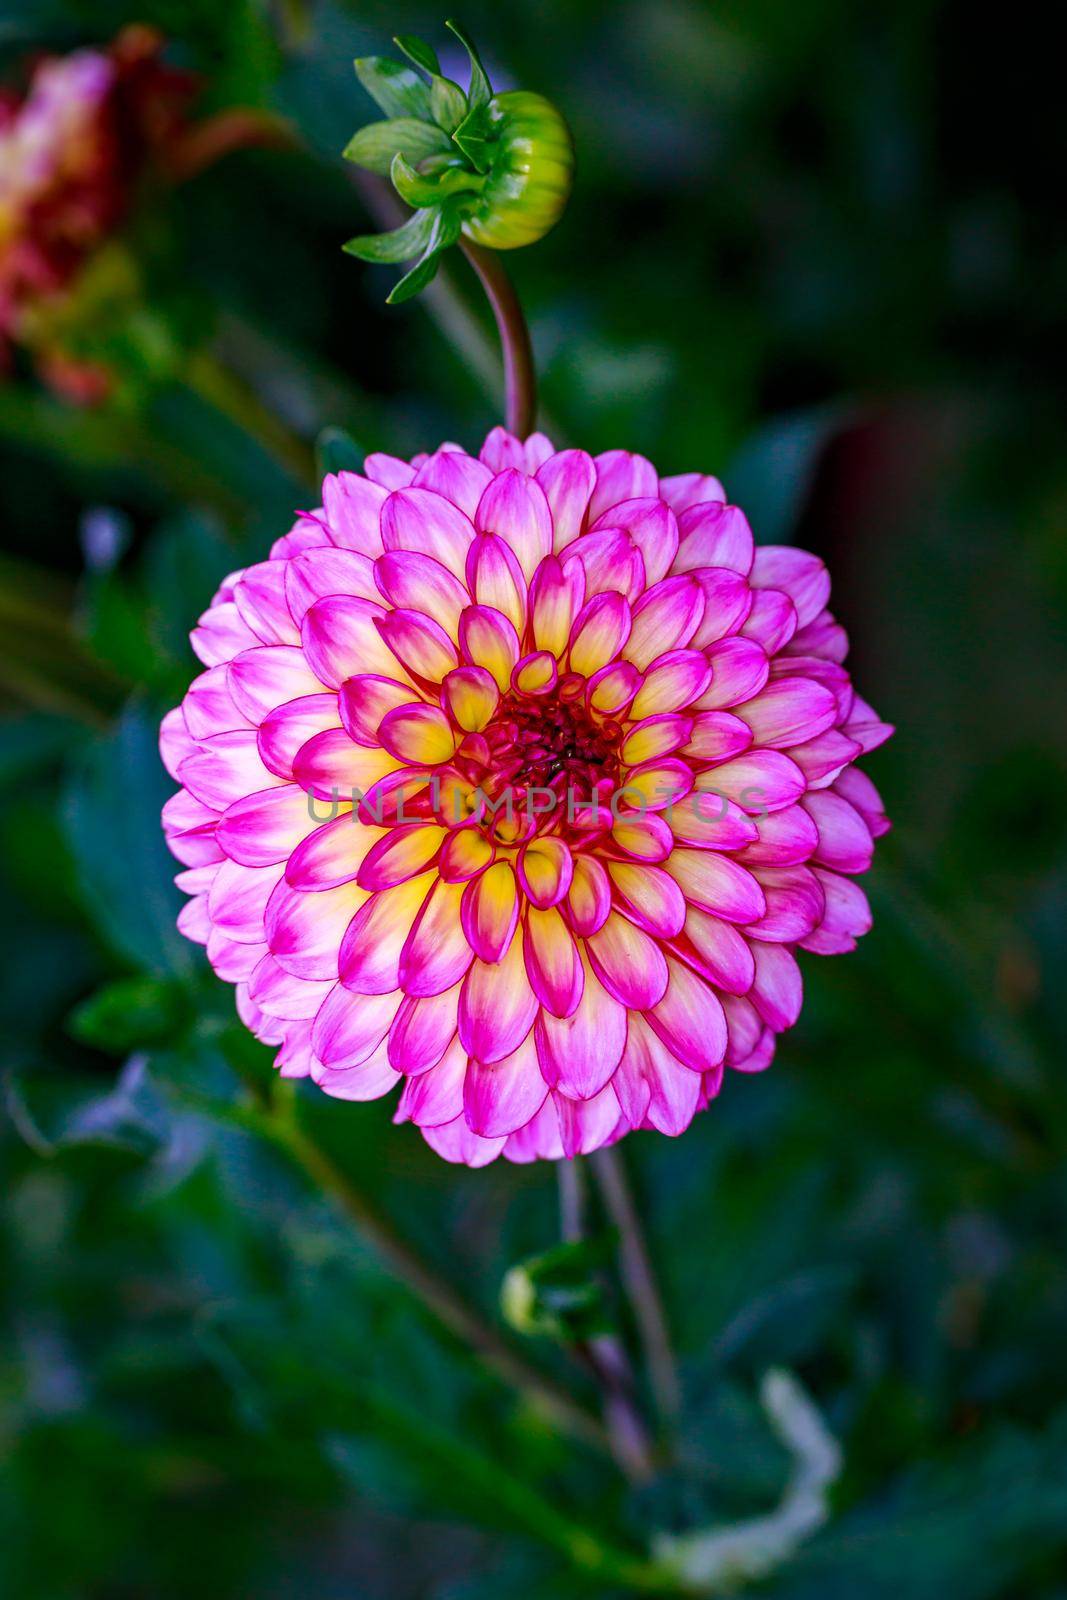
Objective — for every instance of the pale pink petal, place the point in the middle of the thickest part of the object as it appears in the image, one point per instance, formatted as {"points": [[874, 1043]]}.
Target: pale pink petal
{"points": [[208, 705], [800, 575], [689, 1020], [691, 489], [653, 528], [579, 1053], [279, 994], [772, 621], [759, 781], [435, 1096], [284, 731], [369, 959], [437, 952], [717, 950], [795, 904], [600, 629], [714, 536], [225, 767], [401, 854], [349, 1027], [674, 680], [237, 900], [785, 838], [717, 736], [332, 855], [501, 450], [389, 471], [650, 896], [418, 519], [304, 931], [421, 583], [515, 507], [420, 645], [652, 1085], [353, 506], [320, 573], [739, 669], [728, 600], [220, 634], [628, 962], [611, 563], [717, 884], [368, 1080], [422, 1030], [589, 1124], [175, 741], [553, 965], [845, 841], [568, 480], [456, 476], [788, 711], [364, 701], [341, 640], [621, 476], [777, 991], [496, 1006], [846, 916], [259, 595], [859, 791], [262, 829], [331, 766], [495, 578], [502, 1097], [270, 676], [665, 618]]}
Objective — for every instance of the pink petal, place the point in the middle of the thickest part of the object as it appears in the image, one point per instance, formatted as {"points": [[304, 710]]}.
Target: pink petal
{"points": [[501, 1098], [589, 897], [369, 960], [320, 573], [823, 758], [516, 507], [501, 450], [845, 841], [238, 899], [739, 669], [691, 489], [600, 629], [568, 480], [653, 528], [489, 640], [665, 618], [866, 727], [647, 838], [353, 508], [259, 595], [418, 734], [419, 644], [714, 536], [389, 471], [728, 600], [795, 904], [435, 1096], [588, 1125], [418, 519], [270, 676], [708, 819], [579, 1053], [557, 594], [285, 730], [801, 576], [650, 896], [332, 855], [496, 1006], [495, 578], [304, 931], [611, 563], [651, 1084], [263, 829], [759, 781], [341, 640], [422, 1030], [368, 1080], [788, 711], [224, 768], [717, 884], [553, 965], [859, 791], [689, 1020], [420, 583], [402, 854], [209, 706], [673, 681], [279, 994], [349, 1027], [175, 741], [717, 950], [772, 621], [785, 838], [846, 916], [330, 766], [220, 634], [777, 991], [365, 700], [437, 952], [717, 736], [621, 476], [190, 830], [629, 963], [454, 1141], [456, 476], [490, 911]]}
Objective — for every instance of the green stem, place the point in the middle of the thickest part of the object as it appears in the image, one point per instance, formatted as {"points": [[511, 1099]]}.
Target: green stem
{"points": [[520, 380], [605, 1356], [640, 1280]]}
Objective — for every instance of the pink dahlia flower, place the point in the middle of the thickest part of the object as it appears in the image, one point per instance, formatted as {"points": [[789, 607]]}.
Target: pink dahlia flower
{"points": [[518, 781]]}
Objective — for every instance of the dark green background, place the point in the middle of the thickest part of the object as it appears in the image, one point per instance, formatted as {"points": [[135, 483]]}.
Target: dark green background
{"points": [[815, 248]]}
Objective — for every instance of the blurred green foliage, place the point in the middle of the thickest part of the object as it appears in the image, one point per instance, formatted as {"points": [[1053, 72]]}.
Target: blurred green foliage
{"points": [[813, 248]]}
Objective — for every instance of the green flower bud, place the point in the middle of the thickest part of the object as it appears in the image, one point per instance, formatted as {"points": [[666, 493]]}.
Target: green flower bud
{"points": [[531, 167], [496, 169]]}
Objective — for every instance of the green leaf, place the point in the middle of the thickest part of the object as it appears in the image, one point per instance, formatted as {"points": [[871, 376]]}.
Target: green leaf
{"points": [[445, 232], [375, 145], [402, 244], [398, 90], [430, 190], [418, 51], [126, 1014], [559, 1293], [475, 137], [337, 451], [481, 90]]}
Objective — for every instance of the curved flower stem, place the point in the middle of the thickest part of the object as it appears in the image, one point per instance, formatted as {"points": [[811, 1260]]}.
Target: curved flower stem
{"points": [[520, 380], [277, 1123], [604, 1356], [640, 1281]]}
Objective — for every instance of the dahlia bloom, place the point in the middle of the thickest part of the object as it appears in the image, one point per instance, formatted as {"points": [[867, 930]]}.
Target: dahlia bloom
{"points": [[518, 780]]}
